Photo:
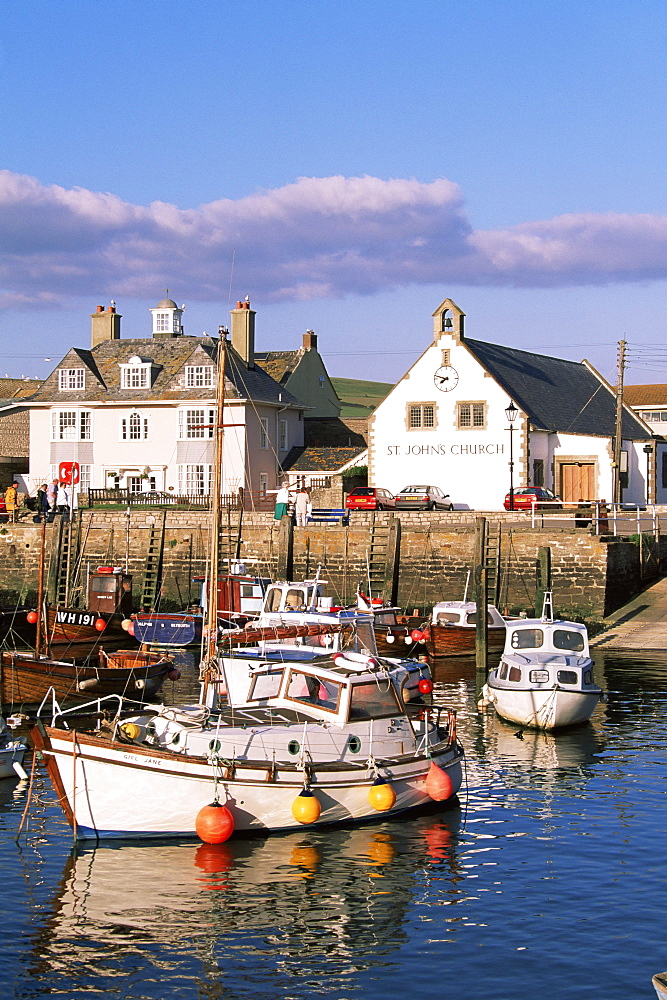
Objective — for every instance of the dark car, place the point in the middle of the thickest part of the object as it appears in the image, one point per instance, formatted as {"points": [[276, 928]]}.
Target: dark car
{"points": [[370, 498], [533, 498], [423, 498]]}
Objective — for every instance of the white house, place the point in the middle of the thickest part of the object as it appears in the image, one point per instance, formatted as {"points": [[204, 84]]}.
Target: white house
{"points": [[141, 412], [444, 424]]}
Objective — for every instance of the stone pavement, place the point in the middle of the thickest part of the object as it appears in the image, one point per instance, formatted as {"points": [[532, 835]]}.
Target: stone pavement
{"points": [[641, 624]]}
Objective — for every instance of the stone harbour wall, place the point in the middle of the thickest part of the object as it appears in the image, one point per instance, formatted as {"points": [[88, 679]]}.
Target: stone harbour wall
{"points": [[591, 574]]}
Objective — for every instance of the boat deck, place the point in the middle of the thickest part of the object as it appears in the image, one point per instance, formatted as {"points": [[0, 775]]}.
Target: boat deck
{"points": [[640, 625]]}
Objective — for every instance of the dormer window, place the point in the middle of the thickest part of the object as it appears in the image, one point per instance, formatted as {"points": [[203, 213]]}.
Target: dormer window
{"points": [[198, 376], [135, 374], [71, 378]]}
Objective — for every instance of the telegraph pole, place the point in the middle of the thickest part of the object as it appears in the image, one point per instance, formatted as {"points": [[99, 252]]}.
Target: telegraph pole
{"points": [[618, 436]]}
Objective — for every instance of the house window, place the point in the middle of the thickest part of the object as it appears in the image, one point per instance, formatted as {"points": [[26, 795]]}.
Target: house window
{"points": [[71, 425], [664, 470], [263, 484], [471, 415], [162, 322], [134, 377], [84, 478], [421, 416], [194, 480], [282, 435], [538, 472], [198, 423], [654, 416], [134, 428], [264, 432], [134, 484], [198, 376], [72, 378]]}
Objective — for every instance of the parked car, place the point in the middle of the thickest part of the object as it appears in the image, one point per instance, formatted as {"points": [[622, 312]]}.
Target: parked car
{"points": [[533, 497], [423, 498], [370, 498]]}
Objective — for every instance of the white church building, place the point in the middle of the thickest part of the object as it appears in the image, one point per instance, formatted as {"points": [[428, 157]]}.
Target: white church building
{"points": [[445, 424]]}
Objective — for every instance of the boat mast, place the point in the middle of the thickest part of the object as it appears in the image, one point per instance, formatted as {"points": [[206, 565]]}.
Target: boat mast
{"points": [[211, 628], [39, 628]]}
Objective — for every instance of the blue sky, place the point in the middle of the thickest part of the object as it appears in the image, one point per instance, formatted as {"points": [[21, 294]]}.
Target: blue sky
{"points": [[345, 164]]}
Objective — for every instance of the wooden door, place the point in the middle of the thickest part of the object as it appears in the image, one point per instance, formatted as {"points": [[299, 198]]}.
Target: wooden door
{"points": [[577, 481]]}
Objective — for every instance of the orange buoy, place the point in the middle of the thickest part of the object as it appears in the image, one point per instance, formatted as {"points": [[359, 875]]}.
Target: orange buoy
{"points": [[381, 795], [425, 685], [32, 617], [100, 624], [213, 859], [417, 635], [438, 784], [306, 807], [214, 823]]}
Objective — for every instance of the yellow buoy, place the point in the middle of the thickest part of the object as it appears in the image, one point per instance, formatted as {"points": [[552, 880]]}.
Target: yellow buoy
{"points": [[306, 807], [381, 795], [131, 730]]}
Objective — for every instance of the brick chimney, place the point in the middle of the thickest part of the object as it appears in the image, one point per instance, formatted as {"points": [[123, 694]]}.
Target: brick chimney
{"points": [[310, 340], [105, 325], [243, 332]]}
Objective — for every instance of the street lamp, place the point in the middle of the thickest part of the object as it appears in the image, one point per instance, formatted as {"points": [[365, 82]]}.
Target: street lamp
{"points": [[511, 413]]}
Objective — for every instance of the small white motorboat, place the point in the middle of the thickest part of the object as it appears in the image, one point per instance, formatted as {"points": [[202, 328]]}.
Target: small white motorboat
{"points": [[545, 676], [12, 752]]}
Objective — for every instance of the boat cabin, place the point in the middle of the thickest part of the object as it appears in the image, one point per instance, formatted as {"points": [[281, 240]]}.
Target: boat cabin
{"points": [[110, 591], [238, 592], [463, 613], [534, 635], [306, 595]]}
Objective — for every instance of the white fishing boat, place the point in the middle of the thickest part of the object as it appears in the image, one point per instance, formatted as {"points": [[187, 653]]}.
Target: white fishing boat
{"points": [[12, 752], [316, 742], [545, 676]]}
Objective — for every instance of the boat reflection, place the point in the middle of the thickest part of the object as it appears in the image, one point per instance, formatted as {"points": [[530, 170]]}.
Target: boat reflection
{"points": [[304, 898]]}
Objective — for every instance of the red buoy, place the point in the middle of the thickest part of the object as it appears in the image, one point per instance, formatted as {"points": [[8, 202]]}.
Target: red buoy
{"points": [[174, 674], [425, 685], [417, 635], [214, 823], [438, 784], [32, 617], [100, 624]]}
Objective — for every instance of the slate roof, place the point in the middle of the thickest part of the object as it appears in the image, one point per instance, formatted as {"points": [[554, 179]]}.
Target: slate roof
{"points": [[557, 395], [12, 388], [279, 364], [325, 460], [169, 356], [645, 395]]}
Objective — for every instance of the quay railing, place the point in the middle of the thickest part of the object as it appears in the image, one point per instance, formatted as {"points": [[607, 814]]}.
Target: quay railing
{"points": [[602, 517]]}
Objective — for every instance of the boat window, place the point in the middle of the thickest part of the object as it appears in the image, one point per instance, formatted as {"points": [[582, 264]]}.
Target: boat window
{"points": [[588, 677], [295, 600], [448, 616], [103, 585], [568, 639], [247, 590], [373, 700], [515, 674], [471, 619], [527, 638], [539, 676], [314, 690], [566, 677], [265, 685], [366, 638], [503, 672], [273, 599], [387, 618]]}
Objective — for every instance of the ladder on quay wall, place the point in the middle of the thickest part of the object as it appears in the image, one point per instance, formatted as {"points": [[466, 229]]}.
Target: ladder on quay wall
{"points": [[229, 537], [383, 551], [63, 561], [489, 542], [153, 573]]}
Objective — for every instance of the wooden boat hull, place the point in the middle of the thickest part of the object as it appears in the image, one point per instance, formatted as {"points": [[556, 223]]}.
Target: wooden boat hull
{"points": [[25, 680], [76, 626], [115, 790], [458, 640], [660, 984]]}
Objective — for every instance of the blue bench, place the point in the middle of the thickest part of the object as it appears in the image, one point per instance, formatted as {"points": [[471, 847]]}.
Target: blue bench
{"points": [[325, 515]]}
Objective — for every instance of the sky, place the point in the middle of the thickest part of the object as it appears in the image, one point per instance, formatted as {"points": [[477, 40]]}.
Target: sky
{"points": [[347, 164]]}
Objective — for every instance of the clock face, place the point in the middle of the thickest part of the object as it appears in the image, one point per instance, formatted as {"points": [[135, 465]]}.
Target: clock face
{"points": [[446, 378]]}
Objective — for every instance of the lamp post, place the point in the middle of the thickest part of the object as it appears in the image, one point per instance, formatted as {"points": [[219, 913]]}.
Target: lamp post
{"points": [[511, 413]]}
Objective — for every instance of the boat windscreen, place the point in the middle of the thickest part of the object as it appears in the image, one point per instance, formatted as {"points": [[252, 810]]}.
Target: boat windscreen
{"points": [[568, 639], [527, 638], [265, 685], [310, 690], [373, 700]]}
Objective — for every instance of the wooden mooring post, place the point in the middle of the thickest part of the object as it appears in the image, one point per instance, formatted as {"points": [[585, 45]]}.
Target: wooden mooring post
{"points": [[481, 626], [543, 577]]}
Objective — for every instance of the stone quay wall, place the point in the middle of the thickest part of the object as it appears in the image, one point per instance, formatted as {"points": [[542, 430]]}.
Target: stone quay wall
{"points": [[591, 574]]}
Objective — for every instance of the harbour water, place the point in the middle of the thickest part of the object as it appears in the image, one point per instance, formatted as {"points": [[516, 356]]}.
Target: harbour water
{"points": [[547, 881]]}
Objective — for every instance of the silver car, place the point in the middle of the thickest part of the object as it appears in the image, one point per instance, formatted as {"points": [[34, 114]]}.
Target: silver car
{"points": [[423, 498]]}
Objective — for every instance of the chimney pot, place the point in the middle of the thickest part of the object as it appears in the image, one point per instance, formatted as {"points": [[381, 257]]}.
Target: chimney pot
{"points": [[99, 309]]}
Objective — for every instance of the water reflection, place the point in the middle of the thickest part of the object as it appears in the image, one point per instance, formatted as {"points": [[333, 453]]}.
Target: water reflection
{"points": [[305, 904]]}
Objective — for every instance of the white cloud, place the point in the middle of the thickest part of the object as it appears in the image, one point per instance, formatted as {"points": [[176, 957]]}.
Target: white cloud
{"points": [[314, 238]]}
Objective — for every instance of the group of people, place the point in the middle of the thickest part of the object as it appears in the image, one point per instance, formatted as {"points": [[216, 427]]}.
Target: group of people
{"points": [[302, 504], [50, 499]]}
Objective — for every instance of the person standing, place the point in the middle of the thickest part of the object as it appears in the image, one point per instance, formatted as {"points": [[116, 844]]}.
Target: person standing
{"points": [[301, 505], [51, 494], [63, 498], [282, 502], [12, 501], [42, 503]]}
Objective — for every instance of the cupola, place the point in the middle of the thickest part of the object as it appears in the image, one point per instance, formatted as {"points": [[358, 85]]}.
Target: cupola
{"points": [[167, 319]]}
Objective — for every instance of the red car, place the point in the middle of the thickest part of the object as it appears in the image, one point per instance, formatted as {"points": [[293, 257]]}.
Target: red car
{"points": [[370, 498], [533, 497]]}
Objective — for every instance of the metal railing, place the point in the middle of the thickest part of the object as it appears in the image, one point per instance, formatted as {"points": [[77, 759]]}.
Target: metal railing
{"points": [[601, 517]]}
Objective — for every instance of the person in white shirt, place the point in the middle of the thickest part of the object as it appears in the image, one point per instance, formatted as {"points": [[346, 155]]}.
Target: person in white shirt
{"points": [[63, 500]]}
